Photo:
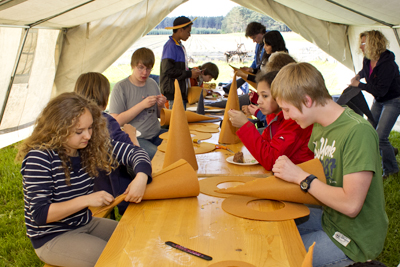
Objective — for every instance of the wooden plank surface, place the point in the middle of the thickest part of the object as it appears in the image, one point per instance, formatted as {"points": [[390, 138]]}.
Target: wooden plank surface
{"points": [[200, 224], [215, 164]]}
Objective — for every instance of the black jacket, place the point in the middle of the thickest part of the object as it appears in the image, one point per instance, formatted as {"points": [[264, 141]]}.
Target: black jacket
{"points": [[384, 82]]}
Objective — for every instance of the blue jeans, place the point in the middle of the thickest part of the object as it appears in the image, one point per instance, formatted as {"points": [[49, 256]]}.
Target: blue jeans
{"points": [[385, 115], [150, 145], [171, 103], [326, 253]]}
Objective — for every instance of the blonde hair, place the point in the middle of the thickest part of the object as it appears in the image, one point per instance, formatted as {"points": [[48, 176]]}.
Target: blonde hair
{"points": [[295, 81], [144, 55], [278, 60], [55, 124], [95, 86], [375, 44]]}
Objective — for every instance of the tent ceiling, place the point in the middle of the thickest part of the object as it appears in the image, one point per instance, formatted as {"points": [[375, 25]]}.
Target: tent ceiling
{"points": [[23, 12]]}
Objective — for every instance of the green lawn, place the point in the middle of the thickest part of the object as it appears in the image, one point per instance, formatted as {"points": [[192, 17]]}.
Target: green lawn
{"points": [[16, 249]]}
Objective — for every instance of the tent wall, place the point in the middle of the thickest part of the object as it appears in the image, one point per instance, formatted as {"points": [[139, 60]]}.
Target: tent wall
{"points": [[95, 46]]}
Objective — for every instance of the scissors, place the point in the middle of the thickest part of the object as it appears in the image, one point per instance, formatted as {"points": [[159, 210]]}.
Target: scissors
{"points": [[223, 147]]}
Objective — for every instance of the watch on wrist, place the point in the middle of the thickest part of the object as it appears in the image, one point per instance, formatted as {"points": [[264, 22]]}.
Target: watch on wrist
{"points": [[305, 184]]}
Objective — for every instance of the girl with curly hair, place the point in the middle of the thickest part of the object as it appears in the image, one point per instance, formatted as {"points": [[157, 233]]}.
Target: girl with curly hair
{"points": [[382, 78], [69, 145]]}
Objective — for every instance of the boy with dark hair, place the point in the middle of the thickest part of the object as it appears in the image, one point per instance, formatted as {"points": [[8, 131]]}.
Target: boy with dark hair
{"points": [[352, 225], [137, 100], [209, 71], [174, 63]]}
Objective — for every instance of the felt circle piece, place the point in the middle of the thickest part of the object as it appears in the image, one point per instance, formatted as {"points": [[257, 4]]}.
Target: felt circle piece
{"points": [[231, 264], [194, 134], [201, 148], [237, 205], [209, 185]]}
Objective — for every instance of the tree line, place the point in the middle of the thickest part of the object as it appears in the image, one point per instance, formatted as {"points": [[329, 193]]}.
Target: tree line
{"points": [[235, 21]]}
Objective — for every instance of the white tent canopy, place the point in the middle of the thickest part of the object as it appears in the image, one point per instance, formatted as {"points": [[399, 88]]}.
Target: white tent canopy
{"points": [[46, 44]]}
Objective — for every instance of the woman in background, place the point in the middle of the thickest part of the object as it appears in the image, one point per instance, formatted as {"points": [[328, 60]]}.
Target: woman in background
{"points": [[382, 78]]}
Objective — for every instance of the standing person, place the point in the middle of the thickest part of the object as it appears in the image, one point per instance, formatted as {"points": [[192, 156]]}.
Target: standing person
{"points": [[174, 63], [254, 31], [137, 100], [383, 82], [352, 225], [95, 86], [69, 145], [280, 137]]}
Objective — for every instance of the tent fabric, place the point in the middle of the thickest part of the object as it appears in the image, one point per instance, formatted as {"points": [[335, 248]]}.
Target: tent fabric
{"points": [[78, 36]]}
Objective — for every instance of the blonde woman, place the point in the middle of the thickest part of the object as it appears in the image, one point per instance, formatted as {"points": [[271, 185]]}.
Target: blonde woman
{"points": [[382, 78], [69, 145]]}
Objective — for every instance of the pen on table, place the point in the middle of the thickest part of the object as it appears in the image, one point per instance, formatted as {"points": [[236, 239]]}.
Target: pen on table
{"points": [[189, 251], [223, 147]]}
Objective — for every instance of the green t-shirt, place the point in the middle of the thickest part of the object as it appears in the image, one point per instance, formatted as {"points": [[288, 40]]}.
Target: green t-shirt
{"points": [[349, 145]]}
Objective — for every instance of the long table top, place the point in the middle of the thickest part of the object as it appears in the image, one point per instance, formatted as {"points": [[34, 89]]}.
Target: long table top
{"points": [[200, 224], [214, 163]]}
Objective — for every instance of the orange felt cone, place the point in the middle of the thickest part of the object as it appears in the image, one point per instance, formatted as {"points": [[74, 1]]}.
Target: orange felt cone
{"points": [[278, 189], [165, 116], [307, 262], [228, 132], [175, 181], [180, 144], [194, 94]]}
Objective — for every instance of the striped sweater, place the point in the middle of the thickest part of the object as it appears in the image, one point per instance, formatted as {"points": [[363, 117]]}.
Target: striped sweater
{"points": [[44, 184]]}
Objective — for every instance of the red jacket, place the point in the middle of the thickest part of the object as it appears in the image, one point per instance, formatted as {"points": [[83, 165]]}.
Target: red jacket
{"points": [[281, 137]]}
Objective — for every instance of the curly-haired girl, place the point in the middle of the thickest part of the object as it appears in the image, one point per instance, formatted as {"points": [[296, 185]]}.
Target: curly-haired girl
{"points": [[69, 145]]}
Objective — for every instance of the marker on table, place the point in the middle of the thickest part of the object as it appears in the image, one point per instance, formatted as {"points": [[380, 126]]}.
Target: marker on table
{"points": [[189, 251]]}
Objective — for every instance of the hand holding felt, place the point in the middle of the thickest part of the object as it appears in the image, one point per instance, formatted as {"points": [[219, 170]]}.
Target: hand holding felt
{"points": [[135, 190], [286, 170], [237, 118], [253, 109], [149, 101]]}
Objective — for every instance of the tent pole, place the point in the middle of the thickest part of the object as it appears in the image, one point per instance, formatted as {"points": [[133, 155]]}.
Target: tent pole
{"points": [[30, 26], [369, 17], [13, 75]]}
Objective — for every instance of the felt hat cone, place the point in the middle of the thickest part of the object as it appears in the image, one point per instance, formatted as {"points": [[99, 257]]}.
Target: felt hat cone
{"points": [[200, 105], [307, 262], [180, 144], [175, 181], [228, 132], [166, 114], [194, 93], [278, 189]]}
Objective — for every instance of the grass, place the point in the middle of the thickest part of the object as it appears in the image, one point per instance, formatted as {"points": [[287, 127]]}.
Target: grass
{"points": [[16, 249]]}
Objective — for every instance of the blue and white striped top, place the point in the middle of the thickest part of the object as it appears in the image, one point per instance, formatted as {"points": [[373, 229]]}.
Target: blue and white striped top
{"points": [[44, 184]]}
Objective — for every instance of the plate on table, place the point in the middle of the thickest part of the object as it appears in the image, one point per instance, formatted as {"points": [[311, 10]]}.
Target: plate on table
{"points": [[248, 160]]}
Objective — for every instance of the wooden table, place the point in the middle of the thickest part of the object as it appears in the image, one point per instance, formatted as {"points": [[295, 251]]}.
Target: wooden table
{"points": [[215, 164], [200, 224]]}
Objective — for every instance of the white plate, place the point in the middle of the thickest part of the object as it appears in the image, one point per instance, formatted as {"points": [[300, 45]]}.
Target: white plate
{"points": [[248, 160], [138, 133]]}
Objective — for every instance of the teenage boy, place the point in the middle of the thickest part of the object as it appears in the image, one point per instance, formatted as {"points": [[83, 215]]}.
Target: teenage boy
{"points": [[254, 31], [209, 71], [174, 64], [137, 100], [353, 223]]}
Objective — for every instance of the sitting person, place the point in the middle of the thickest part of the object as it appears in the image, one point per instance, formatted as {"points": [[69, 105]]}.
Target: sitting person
{"points": [[95, 86], [209, 71], [352, 225], [137, 100], [280, 137], [276, 61], [68, 146]]}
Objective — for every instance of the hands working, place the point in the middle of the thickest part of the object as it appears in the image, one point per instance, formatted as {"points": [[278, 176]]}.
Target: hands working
{"points": [[161, 100], [285, 169], [135, 190], [237, 118], [195, 73], [355, 81], [99, 199], [149, 101]]}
